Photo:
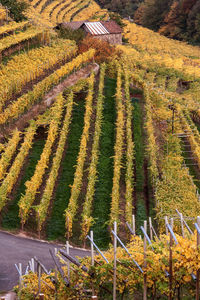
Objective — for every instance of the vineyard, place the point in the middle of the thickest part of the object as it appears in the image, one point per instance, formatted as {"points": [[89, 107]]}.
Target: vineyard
{"points": [[139, 267], [86, 146], [51, 13]]}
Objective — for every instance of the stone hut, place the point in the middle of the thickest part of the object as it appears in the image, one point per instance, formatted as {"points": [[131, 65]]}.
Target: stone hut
{"points": [[108, 31]]}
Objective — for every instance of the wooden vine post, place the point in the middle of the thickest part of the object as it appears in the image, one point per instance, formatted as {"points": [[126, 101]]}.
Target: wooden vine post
{"points": [[166, 222], [92, 261], [39, 279], [20, 277], [39, 232], [115, 262], [145, 263], [68, 262], [133, 224], [170, 263], [56, 275], [67, 228], [198, 271], [182, 225], [150, 229]]}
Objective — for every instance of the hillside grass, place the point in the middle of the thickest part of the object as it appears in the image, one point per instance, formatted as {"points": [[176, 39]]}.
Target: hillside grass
{"points": [[102, 199], [139, 142], [56, 223], [10, 218]]}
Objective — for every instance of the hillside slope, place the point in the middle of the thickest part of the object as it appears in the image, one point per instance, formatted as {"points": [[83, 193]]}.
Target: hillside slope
{"points": [[50, 13]]}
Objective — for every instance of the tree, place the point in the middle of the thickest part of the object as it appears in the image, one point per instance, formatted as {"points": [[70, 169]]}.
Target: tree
{"points": [[153, 13], [193, 23], [117, 18], [124, 7], [16, 8], [139, 14], [175, 22]]}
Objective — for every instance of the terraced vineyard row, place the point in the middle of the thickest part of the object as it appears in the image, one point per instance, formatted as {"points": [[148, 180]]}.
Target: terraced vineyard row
{"points": [[13, 42], [12, 27], [17, 107], [69, 10], [32, 66]]}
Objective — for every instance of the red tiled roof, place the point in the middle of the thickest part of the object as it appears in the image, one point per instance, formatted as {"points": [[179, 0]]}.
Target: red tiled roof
{"points": [[112, 26]]}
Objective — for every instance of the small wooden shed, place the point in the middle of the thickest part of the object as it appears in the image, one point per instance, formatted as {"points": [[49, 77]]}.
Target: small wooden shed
{"points": [[108, 31]]}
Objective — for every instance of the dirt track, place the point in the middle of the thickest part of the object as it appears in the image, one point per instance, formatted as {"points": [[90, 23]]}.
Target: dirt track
{"points": [[15, 249]]}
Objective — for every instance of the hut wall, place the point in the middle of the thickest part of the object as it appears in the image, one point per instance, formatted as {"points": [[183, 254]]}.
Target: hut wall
{"points": [[113, 39]]}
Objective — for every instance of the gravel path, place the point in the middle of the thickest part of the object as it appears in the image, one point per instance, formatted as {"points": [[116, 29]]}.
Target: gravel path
{"points": [[15, 249]]}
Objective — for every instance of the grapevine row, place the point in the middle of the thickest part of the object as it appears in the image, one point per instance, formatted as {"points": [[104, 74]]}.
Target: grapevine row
{"points": [[81, 8], [155, 44], [88, 12], [87, 220], [31, 65], [76, 187], [39, 5], [36, 18], [195, 146], [66, 14], [54, 5], [129, 152], [18, 107], [120, 122], [42, 208], [48, 11], [32, 186], [9, 152], [175, 189], [15, 39], [58, 9], [11, 178], [192, 126], [64, 10], [152, 148], [12, 27]]}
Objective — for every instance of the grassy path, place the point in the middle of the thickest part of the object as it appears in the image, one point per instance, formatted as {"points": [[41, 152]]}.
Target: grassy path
{"points": [[102, 199], [56, 223], [10, 218], [139, 141]]}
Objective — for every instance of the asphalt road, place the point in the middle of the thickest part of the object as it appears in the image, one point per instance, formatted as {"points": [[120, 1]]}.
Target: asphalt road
{"points": [[15, 250]]}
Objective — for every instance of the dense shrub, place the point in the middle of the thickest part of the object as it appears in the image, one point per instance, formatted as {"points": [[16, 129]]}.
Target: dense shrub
{"points": [[16, 8], [104, 51]]}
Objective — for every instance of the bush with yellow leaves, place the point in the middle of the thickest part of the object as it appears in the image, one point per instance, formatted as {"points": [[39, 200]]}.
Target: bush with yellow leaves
{"points": [[185, 262]]}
